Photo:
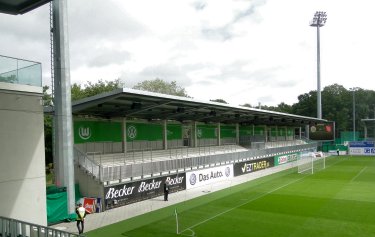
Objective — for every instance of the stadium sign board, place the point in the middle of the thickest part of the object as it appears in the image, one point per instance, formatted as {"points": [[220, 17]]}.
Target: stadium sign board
{"points": [[208, 176], [253, 165], [362, 148], [127, 193], [283, 159]]}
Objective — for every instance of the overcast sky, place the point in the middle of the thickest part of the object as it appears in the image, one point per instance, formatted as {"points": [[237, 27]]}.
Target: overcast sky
{"points": [[242, 51]]}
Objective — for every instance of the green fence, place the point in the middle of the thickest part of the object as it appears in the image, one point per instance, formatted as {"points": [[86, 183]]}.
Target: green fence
{"points": [[57, 204]]}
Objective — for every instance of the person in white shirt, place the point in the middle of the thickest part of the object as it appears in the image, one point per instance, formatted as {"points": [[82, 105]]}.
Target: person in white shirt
{"points": [[81, 214]]}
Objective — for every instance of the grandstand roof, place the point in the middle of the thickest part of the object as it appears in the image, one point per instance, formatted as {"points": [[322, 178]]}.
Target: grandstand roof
{"points": [[15, 7], [138, 104]]}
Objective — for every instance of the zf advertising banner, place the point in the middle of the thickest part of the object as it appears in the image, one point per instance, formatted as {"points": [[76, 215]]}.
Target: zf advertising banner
{"points": [[322, 131], [208, 176], [123, 194], [253, 165], [283, 159]]}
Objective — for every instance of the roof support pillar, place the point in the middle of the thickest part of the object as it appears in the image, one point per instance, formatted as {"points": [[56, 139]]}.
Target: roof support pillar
{"points": [[165, 135], [218, 134], [237, 133], [195, 140], [124, 139], [63, 152]]}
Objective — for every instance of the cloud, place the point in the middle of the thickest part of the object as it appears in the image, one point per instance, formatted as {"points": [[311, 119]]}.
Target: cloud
{"points": [[167, 72], [105, 57], [199, 5]]}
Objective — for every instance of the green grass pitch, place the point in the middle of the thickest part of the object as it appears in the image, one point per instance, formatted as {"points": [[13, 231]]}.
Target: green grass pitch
{"points": [[337, 201]]}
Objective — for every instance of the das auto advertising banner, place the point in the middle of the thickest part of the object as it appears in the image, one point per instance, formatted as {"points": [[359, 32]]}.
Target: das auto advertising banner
{"points": [[253, 165], [208, 176], [126, 193]]}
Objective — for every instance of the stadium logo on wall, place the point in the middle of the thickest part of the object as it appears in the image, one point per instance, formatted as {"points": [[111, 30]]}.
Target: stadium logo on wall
{"points": [[84, 133], [193, 179], [132, 132], [227, 171], [199, 132]]}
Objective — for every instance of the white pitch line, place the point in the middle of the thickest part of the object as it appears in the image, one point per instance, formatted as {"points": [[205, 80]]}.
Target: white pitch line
{"points": [[231, 209], [360, 172]]}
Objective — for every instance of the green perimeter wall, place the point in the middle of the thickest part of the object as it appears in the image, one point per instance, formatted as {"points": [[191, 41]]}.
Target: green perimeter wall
{"points": [[174, 131], [206, 131], [227, 131], [108, 131]]}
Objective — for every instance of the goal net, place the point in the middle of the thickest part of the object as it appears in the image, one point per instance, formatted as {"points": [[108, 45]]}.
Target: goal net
{"points": [[311, 162]]}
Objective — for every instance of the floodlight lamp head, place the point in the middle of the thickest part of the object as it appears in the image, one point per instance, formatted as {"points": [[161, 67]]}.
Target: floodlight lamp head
{"points": [[320, 18]]}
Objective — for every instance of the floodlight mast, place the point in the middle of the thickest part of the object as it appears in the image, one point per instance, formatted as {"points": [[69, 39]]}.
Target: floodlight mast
{"points": [[318, 21]]}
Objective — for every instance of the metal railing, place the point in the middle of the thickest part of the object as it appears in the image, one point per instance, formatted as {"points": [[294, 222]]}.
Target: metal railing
{"points": [[16, 228], [176, 162]]}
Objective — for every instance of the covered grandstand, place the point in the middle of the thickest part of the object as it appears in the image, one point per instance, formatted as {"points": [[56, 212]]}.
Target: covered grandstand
{"points": [[126, 136]]}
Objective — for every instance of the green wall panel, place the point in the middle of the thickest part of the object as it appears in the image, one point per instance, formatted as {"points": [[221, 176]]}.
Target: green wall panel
{"points": [[144, 132], [259, 130], [246, 130], [290, 131], [206, 131], [97, 131], [174, 131], [228, 131]]}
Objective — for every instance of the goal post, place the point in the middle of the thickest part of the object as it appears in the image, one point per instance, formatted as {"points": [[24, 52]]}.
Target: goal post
{"points": [[311, 162]]}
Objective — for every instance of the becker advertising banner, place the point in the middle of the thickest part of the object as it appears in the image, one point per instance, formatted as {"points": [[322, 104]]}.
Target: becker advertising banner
{"points": [[208, 176], [252, 166], [123, 194]]}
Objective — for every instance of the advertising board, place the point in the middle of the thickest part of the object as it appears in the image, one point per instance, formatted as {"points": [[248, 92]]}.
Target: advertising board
{"points": [[253, 165], [126, 193], [366, 148], [208, 176], [283, 159]]}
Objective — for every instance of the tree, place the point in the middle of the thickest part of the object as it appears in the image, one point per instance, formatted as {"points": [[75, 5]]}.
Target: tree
{"points": [[160, 86], [47, 101], [246, 105], [219, 101], [91, 89]]}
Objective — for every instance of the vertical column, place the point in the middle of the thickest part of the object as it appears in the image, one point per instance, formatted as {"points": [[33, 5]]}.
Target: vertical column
{"points": [[307, 131], [219, 134], [165, 134], [237, 133], [124, 137], [194, 131], [63, 108], [266, 133]]}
